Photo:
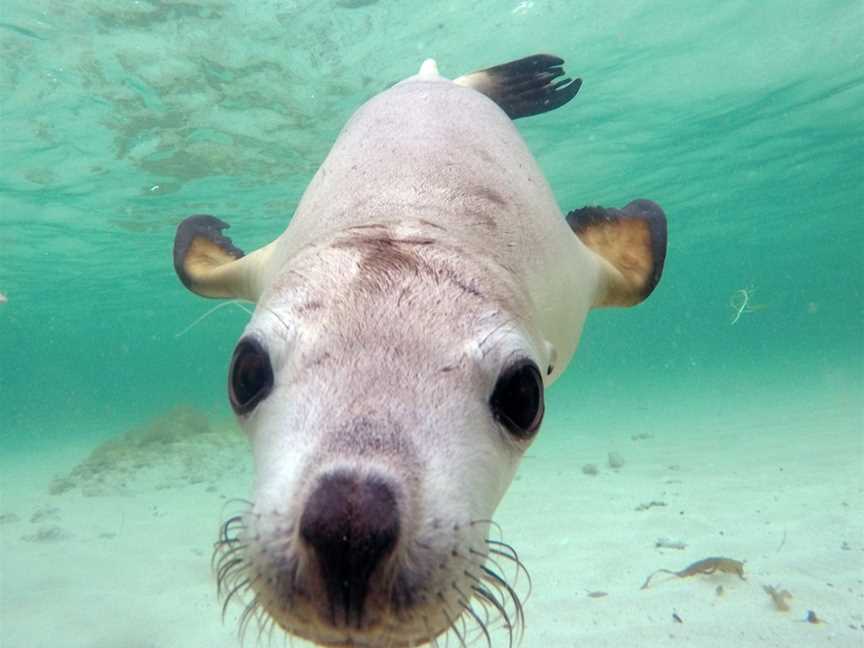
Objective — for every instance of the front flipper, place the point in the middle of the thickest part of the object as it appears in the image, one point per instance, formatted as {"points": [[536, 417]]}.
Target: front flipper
{"points": [[632, 241], [525, 87], [210, 265]]}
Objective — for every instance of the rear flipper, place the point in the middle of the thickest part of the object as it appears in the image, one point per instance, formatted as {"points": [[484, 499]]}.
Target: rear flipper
{"points": [[632, 242], [525, 87]]}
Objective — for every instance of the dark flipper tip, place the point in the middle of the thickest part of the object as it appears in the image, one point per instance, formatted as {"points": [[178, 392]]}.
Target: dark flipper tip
{"points": [[528, 86], [199, 243], [632, 239]]}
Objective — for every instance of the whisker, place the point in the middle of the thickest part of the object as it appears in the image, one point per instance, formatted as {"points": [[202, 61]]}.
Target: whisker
{"points": [[451, 623], [470, 610], [512, 595], [486, 596], [249, 612], [233, 302], [488, 618], [506, 551], [243, 583], [486, 559], [503, 547], [492, 524], [263, 624], [230, 530], [465, 602], [226, 572], [222, 553]]}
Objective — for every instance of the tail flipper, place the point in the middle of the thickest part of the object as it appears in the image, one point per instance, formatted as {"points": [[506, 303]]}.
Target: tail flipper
{"points": [[525, 87]]}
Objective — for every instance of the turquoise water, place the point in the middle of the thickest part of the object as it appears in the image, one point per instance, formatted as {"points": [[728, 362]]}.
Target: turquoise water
{"points": [[745, 121]]}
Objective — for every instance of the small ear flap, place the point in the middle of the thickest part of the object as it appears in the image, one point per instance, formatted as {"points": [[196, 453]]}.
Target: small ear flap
{"points": [[633, 243], [210, 265]]}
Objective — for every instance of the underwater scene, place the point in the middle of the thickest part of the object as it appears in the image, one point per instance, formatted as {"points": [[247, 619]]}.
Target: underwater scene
{"points": [[698, 477]]}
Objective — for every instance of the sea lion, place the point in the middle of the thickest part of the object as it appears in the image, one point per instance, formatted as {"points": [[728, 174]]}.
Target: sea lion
{"points": [[425, 292]]}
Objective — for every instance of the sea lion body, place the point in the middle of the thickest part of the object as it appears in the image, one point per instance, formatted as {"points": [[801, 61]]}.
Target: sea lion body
{"points": [[392, 375]]}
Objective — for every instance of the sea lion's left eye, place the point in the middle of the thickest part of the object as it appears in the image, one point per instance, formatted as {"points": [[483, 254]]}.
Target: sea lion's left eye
{"points": [[517, 401], [250, 378]]}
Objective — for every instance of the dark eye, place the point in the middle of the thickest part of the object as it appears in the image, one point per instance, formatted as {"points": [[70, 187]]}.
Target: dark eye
{"points": [[517, 402], [250, 377]]}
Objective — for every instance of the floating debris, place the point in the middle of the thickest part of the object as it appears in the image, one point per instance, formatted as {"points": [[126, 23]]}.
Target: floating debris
{"points": [[615, 460], [46, 534], [741, 302], [590, 469], [704, 566], [668, 543], [778, 596], [647, 505]]}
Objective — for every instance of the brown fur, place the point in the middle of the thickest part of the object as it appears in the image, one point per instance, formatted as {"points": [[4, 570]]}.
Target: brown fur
{"points": [[385, 258]]}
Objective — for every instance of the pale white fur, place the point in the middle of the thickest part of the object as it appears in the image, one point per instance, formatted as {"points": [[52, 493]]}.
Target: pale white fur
{"points": [[414, 356]]}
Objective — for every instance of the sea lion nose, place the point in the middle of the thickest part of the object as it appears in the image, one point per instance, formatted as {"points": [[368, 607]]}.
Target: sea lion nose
{"points": [[351, 524]]}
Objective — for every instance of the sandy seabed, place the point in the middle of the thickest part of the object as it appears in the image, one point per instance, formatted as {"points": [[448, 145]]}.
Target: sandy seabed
{"points": [[110, 547]]}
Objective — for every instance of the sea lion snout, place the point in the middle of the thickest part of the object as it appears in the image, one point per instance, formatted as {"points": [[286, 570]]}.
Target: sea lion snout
{"points": [[349, 528]]}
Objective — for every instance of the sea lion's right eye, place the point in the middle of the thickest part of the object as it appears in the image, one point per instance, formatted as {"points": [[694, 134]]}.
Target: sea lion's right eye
{"points": [[517, 401], [250, 378]]}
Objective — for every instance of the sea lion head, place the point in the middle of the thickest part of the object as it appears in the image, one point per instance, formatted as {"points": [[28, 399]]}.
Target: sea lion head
{"points": [[389, 389]]}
